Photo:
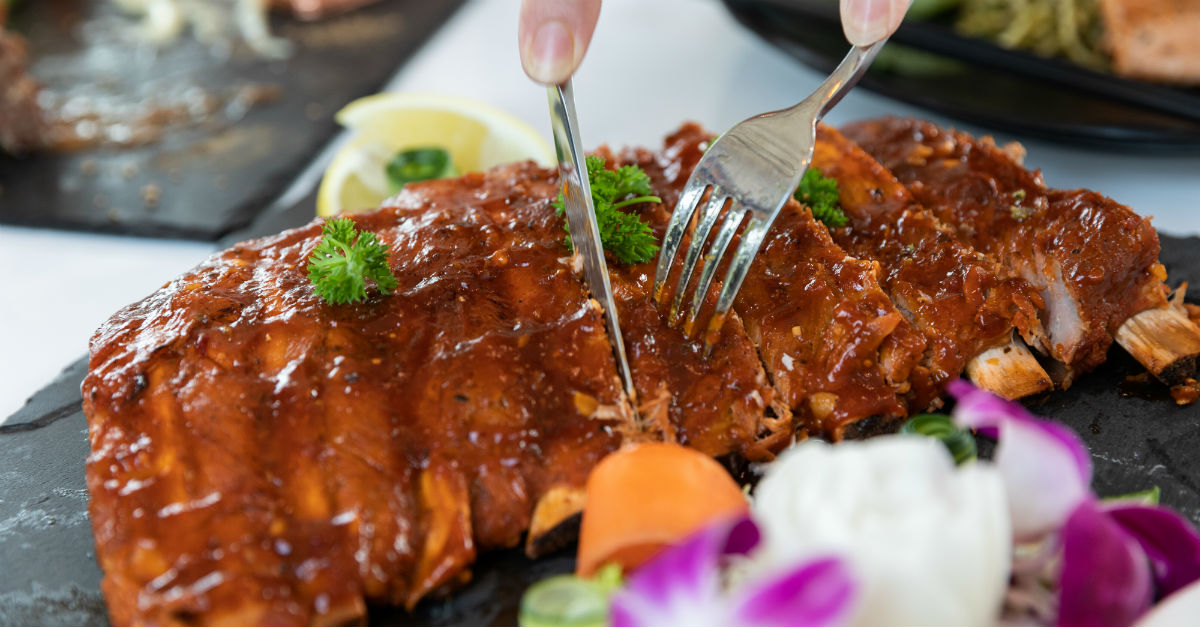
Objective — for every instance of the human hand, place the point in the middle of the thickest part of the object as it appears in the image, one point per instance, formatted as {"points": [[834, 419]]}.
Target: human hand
{"points": [[553, 35], [868, 21]]}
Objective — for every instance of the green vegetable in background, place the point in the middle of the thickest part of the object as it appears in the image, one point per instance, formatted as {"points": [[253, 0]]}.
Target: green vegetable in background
{"points": [[345, 259], [419, 164], [1144, 497], [959, 442], [820, 193], [906, 61], [625, 235], [925, 9], [570, 601]]}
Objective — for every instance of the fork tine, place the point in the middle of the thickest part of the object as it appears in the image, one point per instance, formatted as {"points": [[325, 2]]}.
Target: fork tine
{"points": [[733, 219], [688, 200], [752, 239], [712, 211]]}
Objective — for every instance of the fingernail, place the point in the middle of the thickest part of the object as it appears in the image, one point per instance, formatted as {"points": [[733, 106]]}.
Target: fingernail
{"points": [[866, 21], [550, 53]]}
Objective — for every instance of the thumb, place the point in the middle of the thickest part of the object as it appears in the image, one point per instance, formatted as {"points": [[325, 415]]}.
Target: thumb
{"points": [[867, 21], [553, 35]]}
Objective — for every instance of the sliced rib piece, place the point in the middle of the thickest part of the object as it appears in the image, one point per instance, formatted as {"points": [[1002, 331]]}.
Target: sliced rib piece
{"points": [[1094, 261], [837, 350], [953, 296], [719, 404]]}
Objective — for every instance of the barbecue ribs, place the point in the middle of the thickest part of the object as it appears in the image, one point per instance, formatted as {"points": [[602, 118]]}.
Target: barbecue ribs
{"points": [[1094, 261], [261, 457]]}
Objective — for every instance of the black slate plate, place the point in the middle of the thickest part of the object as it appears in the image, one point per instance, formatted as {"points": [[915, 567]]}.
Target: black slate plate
{"points": [[985, 84], [216, 176], [48, 563]]}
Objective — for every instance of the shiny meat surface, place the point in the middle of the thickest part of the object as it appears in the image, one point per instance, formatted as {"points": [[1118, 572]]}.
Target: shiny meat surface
{"points": [[1093, 260], [721, 404], [260, 457], [839, 353], [951, 295]]}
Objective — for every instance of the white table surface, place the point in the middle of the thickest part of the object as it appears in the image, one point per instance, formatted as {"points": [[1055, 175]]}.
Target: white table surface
{"points": [[652, 65]]}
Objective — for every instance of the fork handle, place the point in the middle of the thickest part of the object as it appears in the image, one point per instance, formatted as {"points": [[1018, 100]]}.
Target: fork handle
{"points": [[843, 77]]}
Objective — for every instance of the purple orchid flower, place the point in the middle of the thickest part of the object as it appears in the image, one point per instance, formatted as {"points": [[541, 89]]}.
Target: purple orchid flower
{"points": [[1169, 541], [1045, 466], [1115, 558], [684, 585], [1105, 577]]}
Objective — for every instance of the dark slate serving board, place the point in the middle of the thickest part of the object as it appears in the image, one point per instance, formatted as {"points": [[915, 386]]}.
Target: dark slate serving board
{"points": [[212, 177], [48, 573]]}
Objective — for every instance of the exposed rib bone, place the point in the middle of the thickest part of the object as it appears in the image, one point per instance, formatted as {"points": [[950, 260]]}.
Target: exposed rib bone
{"points": [[555, 521], [1163, 340], [1009, 371]]}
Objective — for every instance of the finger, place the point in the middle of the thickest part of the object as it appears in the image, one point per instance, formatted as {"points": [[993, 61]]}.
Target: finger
{"points": [[553, 35], [868, 21]]}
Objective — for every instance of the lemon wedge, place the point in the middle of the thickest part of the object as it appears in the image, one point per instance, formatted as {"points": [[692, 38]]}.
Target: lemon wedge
{"points": [[477, 136]]}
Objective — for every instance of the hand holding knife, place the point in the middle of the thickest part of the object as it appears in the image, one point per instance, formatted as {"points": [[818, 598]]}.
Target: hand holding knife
{"points": [[581, 217]]}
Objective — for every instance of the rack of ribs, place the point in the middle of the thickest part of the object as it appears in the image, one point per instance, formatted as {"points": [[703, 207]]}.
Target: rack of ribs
{"points": [[1094, 261], [261, 457]]}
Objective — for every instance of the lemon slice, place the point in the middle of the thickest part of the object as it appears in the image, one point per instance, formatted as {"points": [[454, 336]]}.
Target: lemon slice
{"points": [[477, 136]]}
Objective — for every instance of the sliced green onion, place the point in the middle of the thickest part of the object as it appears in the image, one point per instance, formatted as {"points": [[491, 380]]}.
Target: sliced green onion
{"points": [[418, 164], [570, 601], [960, 442], [1143, 497]]}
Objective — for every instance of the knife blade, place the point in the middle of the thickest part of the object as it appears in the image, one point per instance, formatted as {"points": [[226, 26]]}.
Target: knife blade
{"points": [[581, 217]]}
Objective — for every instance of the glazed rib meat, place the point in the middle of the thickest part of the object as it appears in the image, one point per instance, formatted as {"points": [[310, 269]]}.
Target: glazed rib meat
{"points": [[260, 457], [1094, 261], [954, 297], [719, 404], [838, 351]]}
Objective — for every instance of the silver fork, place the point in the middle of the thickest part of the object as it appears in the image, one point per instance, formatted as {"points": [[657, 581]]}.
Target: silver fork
{"points": [[755, 165]]}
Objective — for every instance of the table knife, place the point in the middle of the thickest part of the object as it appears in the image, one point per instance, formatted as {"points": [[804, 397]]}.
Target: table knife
{"points": [[581, 218]]}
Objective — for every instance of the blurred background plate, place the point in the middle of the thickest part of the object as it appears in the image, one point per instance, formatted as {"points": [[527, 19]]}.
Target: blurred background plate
{"points": [[976, 81], [205, 179]]}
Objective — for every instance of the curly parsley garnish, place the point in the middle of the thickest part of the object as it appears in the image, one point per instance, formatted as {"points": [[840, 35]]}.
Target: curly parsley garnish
{"points": [[345, 259], [625, 235], [820, 193]]}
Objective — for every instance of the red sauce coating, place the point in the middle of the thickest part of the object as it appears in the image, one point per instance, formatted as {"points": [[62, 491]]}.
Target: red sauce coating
{"points": [[951, 295], [839, 353], [1094, 260], [262, 457]]}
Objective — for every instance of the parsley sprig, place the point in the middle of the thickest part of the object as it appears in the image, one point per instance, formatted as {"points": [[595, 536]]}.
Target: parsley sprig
{"points": [[345, 259], [625, 235], [820, 193]]}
